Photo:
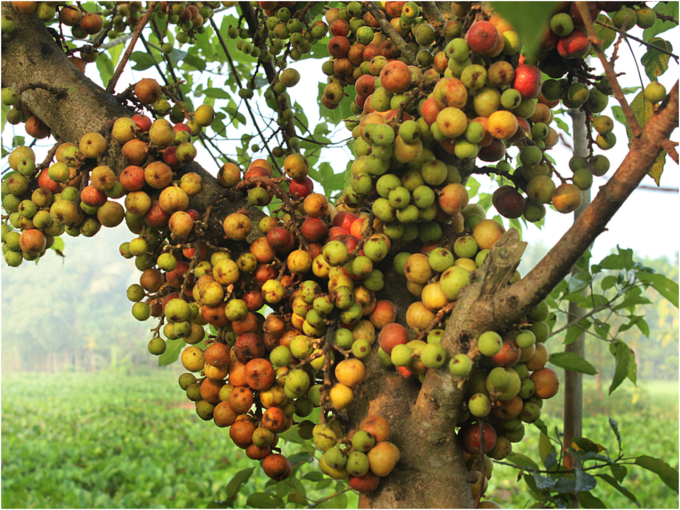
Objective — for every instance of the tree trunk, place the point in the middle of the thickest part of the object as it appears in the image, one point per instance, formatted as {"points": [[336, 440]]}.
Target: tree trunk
{"points": [[573, 381]]}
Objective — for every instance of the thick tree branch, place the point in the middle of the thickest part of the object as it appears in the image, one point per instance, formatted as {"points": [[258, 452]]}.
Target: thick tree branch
{"points": [[440, 397], [516, 300], [31, 55], [434, 17]]}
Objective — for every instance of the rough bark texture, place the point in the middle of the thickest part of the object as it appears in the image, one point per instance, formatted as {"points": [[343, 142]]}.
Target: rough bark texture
{"points": [[431, 472], [30, 54]]}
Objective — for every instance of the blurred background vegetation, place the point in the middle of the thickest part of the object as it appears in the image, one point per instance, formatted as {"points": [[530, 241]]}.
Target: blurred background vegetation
{"points": [[89, 420]]}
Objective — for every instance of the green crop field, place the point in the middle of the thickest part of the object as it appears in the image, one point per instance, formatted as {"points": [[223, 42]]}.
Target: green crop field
{"points": [[108, 441], [104, 440]]}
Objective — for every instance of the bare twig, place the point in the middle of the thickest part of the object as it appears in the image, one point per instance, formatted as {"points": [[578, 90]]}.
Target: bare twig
{"points": [[637, 39], [632, 122], [126, 56], [238, 82], [48, 159], [116, 41], [669, 146]]}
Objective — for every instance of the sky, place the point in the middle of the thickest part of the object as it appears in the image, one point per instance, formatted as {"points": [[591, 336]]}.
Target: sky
{"points": [[642, 223]]}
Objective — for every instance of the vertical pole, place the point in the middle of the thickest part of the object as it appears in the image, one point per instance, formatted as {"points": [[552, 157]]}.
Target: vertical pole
{"points": [[573, 386]]}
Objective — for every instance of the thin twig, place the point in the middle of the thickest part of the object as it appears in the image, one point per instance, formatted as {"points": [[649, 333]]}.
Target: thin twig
{"points": [[155, 62], [632, 122], [48, 159], [126, 56], [116, 41], [238, 82], [328, 497], [405, 49], [637, 39]]}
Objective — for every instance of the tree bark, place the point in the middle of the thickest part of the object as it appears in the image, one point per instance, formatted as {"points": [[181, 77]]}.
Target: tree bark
{"points": [[431, 472]]}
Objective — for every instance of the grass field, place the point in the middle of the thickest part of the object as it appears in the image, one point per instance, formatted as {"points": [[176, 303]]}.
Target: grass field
{"points": [[100, 441], [103, 441]]}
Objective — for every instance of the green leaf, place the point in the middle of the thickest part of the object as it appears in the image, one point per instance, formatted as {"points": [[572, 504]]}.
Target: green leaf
{"points": [[607, 35], [655, 62], [143, 60], [622, 355], [668, 474], [587, 500], [325, 176], [626, 255], [562, 125], [660, 26], [265, 500], [541, 426], [615, 428], [525, 17], [177, 55], [297, 498], [618, 471], [612, 481], [339, 501], [194, 61], [522, 460], [585, 445], [544, 482], [219, 504], [171, 354], [630, 301], [611, 262], [584, 481], [217, 93], [572, 362], [292, 435], [304, 457], [657, 168], [473, 186], [316, 9], [105, 67], [545, 447], [643, 327], [326, 482], [314, 476], [630, 90], [608, 282], [575, 331], [58, 246], [617, 111], [238, 481], [662, 284], [632, 368], [643, 111]]}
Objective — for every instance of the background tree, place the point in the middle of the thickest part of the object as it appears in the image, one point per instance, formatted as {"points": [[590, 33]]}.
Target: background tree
{"points": [[456, 41]]}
